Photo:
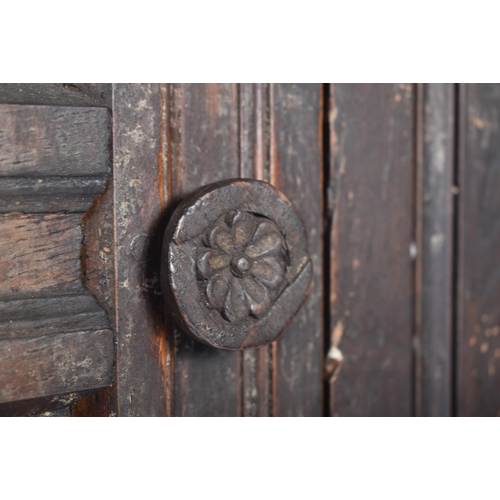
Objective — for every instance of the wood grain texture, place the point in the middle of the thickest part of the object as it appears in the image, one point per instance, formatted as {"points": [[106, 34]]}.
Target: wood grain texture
{"points": [[56, 94], [138, 217], [40, 254], [371, 289], [38, 141], [101, 92], [296, 145], [255, 155], [97, 404], [52, 158], [50, 365], [46, 406], [34, 317], [434, 267], [204, 142], [478, 293]]}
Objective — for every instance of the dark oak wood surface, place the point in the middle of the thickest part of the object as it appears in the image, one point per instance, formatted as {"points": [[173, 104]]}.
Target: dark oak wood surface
{"points": [[435, 137], [296, 169], [55, 341], [255, 162], [55, 364], [478, 293], [396, 184], [40, 254], [371, 288], [204, 149], [138, 198]]}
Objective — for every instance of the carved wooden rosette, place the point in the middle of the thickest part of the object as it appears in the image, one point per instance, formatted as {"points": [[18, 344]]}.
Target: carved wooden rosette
{"points": [[235, 267]]}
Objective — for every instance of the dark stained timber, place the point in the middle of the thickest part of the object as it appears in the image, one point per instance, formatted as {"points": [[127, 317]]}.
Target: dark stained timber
{"points": [[478, 292], [296, 124], [54, 158], [255, 163], [204, 148], [371, 289], [138, 203], [55, 364], [435, 164]]}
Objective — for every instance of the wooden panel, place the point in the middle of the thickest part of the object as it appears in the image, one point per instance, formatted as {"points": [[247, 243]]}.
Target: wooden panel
{"points": [[296, 169], [371, 289], [28, 317], [58, 94], [43, 407], [33, 368], [434, 301], [138, 226], [255, 163], [204, 145], [39, 254], [49, 194], [101, 92], [478, 296], [52, 158], [53, 141]]}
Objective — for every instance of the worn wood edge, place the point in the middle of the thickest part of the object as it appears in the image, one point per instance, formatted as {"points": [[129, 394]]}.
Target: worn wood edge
{"points": [[54, 141], [54, 94], [34, 317], [50, 194], [435, 158], [47, 406], [44, 373], [95, 404]]}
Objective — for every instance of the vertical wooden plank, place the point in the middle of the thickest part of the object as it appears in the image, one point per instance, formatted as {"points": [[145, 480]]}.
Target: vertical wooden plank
{"points": [[204, 149], [138, 205], [371, 289], [434, 300], [296, 146], [478, 293], [255, 163]]}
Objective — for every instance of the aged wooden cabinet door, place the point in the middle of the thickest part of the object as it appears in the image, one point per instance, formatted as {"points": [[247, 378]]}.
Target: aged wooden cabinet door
{"points": [[396, 186]]}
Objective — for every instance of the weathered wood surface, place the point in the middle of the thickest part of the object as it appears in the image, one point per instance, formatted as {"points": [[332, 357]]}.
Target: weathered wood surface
{"points": [[46, 406], [56, 94], [55, 342], [296, 169], [33, 317], [204, 149], [51, 365], [478, 292], [39, 254], [101, 92], [434, 265], [371, 288], [97, 404], [139, 175], [255, 155], [40, 141], [52, 158]]}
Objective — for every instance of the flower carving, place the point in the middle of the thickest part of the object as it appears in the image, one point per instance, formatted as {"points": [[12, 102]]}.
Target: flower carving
{"points": [[243, 264]]}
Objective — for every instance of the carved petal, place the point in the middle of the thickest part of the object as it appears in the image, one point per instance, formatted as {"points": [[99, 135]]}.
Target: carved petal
{"points": [[217, 288], [269, 272], [236, 307], [212, 262], [267, 240], [257, 296], [221, 238], [243, 226]]}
